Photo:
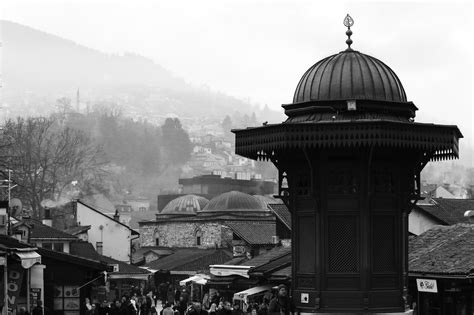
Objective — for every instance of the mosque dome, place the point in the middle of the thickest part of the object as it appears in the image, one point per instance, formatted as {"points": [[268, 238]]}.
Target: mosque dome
{"points": [[349, 75], [189, 204], [235, 201]]}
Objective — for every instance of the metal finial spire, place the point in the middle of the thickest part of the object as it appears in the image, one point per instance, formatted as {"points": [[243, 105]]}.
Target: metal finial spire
{"points": [[348, 22]]}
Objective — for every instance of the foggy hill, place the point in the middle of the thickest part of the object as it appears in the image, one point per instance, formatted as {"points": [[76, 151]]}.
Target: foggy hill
{"points": [[38, 68]]}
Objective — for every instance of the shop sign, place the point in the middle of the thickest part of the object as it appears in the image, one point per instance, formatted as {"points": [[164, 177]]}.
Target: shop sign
{"points": [[15, 277], [35, 295], [427, 285]]}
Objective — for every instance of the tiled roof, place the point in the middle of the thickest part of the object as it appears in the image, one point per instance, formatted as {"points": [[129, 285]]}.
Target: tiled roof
{"points": [[443, 250], [450, 211], [74, 230], [138, 255], [265, 257], [124, 268], [273, 264], [191, 259], [41, 231], [284, 272], [83, 249], [71, 259], [282, 213], [254, 233], [236, 261]]}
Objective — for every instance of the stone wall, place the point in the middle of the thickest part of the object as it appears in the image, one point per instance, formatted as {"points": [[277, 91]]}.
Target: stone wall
{"points": [[183, 234]]}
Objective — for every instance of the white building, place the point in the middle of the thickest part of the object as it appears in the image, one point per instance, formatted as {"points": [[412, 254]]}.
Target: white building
{"points": [[114, 237]]}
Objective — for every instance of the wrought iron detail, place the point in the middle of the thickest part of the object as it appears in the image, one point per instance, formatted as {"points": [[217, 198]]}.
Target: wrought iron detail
{"points": [[348, 22]]}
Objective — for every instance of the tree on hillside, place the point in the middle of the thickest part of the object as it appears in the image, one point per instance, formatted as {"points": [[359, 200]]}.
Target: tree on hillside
{"points": [[176, 144], [46, 159], [226, 124]]}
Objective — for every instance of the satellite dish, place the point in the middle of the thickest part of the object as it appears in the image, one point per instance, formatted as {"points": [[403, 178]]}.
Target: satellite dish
{"points": [[15, 207]]}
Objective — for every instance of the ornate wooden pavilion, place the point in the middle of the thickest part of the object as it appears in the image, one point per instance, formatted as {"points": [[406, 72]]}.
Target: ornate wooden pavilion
{"points": [[349, 158]]}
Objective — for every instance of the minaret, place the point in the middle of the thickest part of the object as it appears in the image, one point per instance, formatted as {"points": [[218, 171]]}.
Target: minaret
{"points": [[78, 101]]}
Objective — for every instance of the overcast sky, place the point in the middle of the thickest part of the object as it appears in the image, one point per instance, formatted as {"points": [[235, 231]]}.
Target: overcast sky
{"points": [[260, 49]]}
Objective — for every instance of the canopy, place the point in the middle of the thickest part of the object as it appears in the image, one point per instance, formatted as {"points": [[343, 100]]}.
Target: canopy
{"points": [[242, 295], [134, 276], [199, 279], [29, 258]]}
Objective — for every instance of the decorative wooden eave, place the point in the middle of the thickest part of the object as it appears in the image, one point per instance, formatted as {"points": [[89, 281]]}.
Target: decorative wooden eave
{"points": [[263, 143]]}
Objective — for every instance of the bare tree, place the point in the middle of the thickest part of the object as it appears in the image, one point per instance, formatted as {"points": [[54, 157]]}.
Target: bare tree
{"points": [[46, 158]]}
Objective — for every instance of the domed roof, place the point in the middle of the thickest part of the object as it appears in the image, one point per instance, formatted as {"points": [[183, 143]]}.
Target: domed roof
{"points": [[349, 75], [235, 201], [188, 204]]}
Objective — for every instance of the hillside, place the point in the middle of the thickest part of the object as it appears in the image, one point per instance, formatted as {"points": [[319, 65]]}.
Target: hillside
{"points": [[38, 68]]}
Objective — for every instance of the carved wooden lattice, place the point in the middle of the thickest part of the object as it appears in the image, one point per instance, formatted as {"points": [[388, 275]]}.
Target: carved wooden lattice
{"points": [[343, 244]]}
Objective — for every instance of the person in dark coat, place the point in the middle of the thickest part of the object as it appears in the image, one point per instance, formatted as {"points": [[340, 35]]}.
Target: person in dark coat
{"points": [[224, 308], [181, 306], [236, 310], [38, 310], [281, 303]]}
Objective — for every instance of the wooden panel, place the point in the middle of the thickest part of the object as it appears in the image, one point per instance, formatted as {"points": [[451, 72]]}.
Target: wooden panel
{"points": [[340, 204], [344, 300], [384, 204], [305, 231], [389, 300], [343, 283], [384, 281], [305, 282]]}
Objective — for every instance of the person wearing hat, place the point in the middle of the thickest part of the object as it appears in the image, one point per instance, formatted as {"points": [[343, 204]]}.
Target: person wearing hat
{"points": [[281, 303]]}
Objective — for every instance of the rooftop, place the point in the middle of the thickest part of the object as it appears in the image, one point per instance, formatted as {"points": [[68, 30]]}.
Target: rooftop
{"points": [[443, 250], [190, 259], [450, 211], [254, 233]]}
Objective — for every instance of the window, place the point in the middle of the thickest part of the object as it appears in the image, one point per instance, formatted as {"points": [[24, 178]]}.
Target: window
{"points": [[157, 241], [59, 247], [198, 238], [47, 245]]}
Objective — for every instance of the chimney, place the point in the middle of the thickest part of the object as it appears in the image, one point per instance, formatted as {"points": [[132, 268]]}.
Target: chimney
{"points": [[117, 216], [98, 247], [46, 220]]}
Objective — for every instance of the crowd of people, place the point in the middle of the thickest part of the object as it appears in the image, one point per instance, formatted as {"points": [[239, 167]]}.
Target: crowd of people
{"points": [[180, 302], [133, 305]]}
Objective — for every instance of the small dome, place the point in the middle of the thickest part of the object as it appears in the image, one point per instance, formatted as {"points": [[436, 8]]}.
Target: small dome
{"points": [[349, 75], [188, 204], [235, 201]]}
